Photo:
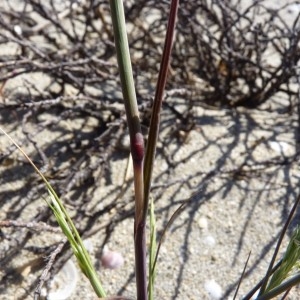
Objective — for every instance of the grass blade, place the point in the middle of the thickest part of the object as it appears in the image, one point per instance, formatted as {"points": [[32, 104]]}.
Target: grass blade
{"points": [[285, 286], [289, 261], [170, 222], [155, 117], [269, 271], [67, 227]]}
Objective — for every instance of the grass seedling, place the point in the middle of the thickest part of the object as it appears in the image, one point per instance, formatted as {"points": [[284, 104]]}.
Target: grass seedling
{"points": [[278, 280], [142, 169]]}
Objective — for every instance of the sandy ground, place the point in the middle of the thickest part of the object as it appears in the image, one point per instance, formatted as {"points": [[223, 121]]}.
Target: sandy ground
{"points": [[236, 171], [235, 168]]}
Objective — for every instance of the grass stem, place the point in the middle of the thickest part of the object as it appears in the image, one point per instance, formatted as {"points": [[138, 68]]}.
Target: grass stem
{"points": [[136, 142]]}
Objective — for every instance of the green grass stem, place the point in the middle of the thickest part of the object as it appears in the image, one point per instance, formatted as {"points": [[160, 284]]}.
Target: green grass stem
{"points": [[136, 142]]}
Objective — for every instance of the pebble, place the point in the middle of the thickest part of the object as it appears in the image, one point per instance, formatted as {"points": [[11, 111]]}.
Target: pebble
{"points": [[202, 222], [213, 289], [209, 241]]}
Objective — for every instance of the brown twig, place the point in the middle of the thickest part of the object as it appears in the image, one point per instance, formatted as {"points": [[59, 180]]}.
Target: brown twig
{"points": [[47, 269]]}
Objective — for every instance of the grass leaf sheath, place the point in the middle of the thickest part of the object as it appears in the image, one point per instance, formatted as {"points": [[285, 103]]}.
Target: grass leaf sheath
{"points": [[136, 142]]}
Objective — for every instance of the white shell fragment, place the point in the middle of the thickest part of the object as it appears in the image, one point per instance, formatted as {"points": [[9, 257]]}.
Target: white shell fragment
{"points": [[64, 283], [112, 259], [213, 289], [18, 30]]}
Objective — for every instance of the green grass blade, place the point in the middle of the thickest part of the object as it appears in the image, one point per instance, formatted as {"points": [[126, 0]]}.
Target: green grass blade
{"points": [[285, 286], [67, 227], [289, 262], [284, 229]]}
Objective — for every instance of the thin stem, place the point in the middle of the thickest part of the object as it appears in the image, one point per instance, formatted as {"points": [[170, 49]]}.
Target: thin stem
{"points": [[242, 276], [259, 284], [136, 142], [152, 251], [171, 220], [288, 284], [130, 102], [155, 117]]}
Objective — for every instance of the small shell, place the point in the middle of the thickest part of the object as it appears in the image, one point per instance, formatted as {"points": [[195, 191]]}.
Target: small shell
{"points": [[213, 289], [64, 283], [112, 260]]}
